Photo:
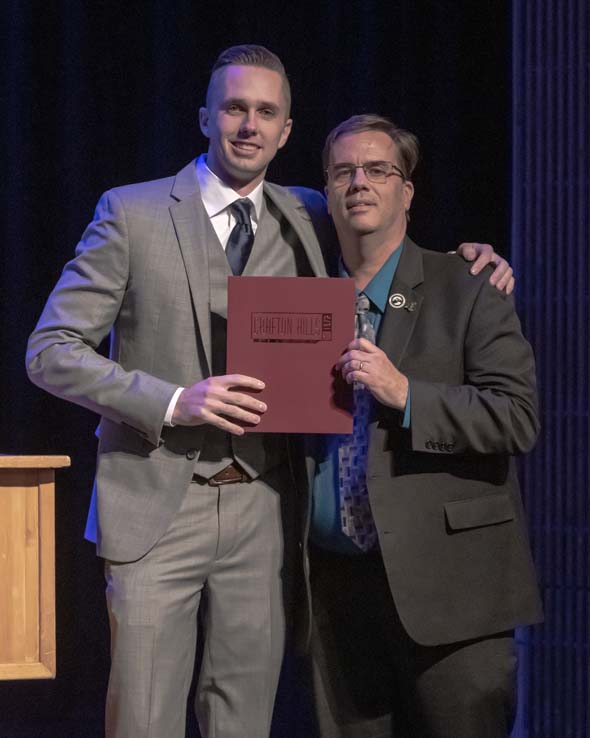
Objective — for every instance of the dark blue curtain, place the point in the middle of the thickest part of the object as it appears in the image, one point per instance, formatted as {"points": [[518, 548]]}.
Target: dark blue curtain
{"points": [[550, 252], [102, 93]]}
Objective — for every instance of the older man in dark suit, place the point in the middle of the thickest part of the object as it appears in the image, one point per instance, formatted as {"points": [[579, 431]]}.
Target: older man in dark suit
{"points": [[420, 566]]}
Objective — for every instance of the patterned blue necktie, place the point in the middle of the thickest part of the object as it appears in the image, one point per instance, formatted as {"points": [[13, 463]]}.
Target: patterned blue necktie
{"points": [[241, 238], [355, 509]]}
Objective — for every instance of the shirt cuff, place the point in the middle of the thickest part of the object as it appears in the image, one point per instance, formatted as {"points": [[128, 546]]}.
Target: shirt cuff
{"points": [[171, 407]]}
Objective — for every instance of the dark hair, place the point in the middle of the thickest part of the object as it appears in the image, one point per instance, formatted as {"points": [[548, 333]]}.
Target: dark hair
{"points": [[252, 55], [406, 142]]}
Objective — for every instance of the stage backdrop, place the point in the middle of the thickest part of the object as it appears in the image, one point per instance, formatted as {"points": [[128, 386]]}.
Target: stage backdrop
{"points": [[98, 94]]}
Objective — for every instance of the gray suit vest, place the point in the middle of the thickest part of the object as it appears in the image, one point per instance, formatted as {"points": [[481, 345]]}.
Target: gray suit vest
{"points": [[276, 252]]}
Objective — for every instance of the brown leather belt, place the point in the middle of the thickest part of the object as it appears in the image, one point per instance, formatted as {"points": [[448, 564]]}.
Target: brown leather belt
{"points": [[232, 474]]}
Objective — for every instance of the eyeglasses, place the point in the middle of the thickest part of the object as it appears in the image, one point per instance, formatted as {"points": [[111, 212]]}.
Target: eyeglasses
{"points": [[375, 171]]}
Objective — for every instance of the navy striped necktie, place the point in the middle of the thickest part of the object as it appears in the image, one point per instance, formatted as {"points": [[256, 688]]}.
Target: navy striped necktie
{"points": [[241, 238]]}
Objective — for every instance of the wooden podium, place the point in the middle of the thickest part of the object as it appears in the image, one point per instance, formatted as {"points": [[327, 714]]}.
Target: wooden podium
{"points": [[27, 566]]}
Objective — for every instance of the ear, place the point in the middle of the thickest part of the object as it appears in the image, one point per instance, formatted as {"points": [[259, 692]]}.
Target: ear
{"points": [[286, 132], [204, 121], [408, 194]]}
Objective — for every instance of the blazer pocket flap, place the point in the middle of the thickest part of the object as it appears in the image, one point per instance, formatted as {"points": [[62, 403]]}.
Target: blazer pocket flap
{"points": [[479, 511]]}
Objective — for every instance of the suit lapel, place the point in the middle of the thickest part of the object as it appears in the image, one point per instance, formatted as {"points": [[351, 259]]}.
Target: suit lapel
{"points": [[404, 303], [192, 226], [294, 211]]}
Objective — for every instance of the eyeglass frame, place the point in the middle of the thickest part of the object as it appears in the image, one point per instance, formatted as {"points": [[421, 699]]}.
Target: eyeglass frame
{"points": [[351, 169]]}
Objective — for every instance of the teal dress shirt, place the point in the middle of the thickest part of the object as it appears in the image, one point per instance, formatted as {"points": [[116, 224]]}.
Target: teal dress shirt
{"points": [[326, 530]]}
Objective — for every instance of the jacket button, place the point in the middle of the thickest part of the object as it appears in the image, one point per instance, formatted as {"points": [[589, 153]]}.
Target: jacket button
{"points": [[428, 444], [191, 454]]}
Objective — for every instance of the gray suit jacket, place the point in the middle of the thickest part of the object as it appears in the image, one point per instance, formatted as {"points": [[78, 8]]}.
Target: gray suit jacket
{"points": [[444, 494], [141, 272]]}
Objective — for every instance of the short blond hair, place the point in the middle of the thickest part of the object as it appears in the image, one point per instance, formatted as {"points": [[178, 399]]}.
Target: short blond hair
{"points": [[252, 55]]}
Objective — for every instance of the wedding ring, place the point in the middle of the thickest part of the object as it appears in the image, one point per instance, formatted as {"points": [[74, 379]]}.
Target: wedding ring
{"points": [[361, 366]]}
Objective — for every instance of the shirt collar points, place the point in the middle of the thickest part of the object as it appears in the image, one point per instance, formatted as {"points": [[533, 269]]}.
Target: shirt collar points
{"points": [[217, 196]]}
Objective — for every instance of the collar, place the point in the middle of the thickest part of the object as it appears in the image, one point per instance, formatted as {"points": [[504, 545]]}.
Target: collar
{"points": [[378, 288], [217, 196]]}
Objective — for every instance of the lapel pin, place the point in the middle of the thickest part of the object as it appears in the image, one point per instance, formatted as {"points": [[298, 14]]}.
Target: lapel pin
{"points": [[397, 301], [411, 306]]}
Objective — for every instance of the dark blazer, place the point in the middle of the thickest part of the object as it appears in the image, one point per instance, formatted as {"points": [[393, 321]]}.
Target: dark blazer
{"points": [[444, 493]]}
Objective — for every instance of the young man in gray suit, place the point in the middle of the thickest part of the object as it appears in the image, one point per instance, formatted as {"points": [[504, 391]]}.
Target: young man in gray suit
{"points": [[420, 565], [187, 509]]}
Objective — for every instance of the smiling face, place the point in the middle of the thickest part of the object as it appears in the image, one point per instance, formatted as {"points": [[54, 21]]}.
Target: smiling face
{"points": [[361, 207], [246, 123]]}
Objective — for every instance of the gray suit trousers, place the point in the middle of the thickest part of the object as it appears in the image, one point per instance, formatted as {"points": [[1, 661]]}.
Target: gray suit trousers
{"points": [[223, 552]]}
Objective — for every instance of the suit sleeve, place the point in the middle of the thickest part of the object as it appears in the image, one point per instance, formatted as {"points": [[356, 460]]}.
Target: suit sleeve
{"points": [[495, 409], [61, 352]]}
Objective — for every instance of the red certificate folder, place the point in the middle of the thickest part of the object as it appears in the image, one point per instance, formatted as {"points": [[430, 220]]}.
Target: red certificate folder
{"points": [[289, 332]]}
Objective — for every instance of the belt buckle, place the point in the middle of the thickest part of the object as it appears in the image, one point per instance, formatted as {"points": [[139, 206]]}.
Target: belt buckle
{"points": [[233, 476]]}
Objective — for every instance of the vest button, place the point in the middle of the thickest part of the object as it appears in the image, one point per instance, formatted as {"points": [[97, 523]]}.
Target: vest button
{"points": [[191, 454]]}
